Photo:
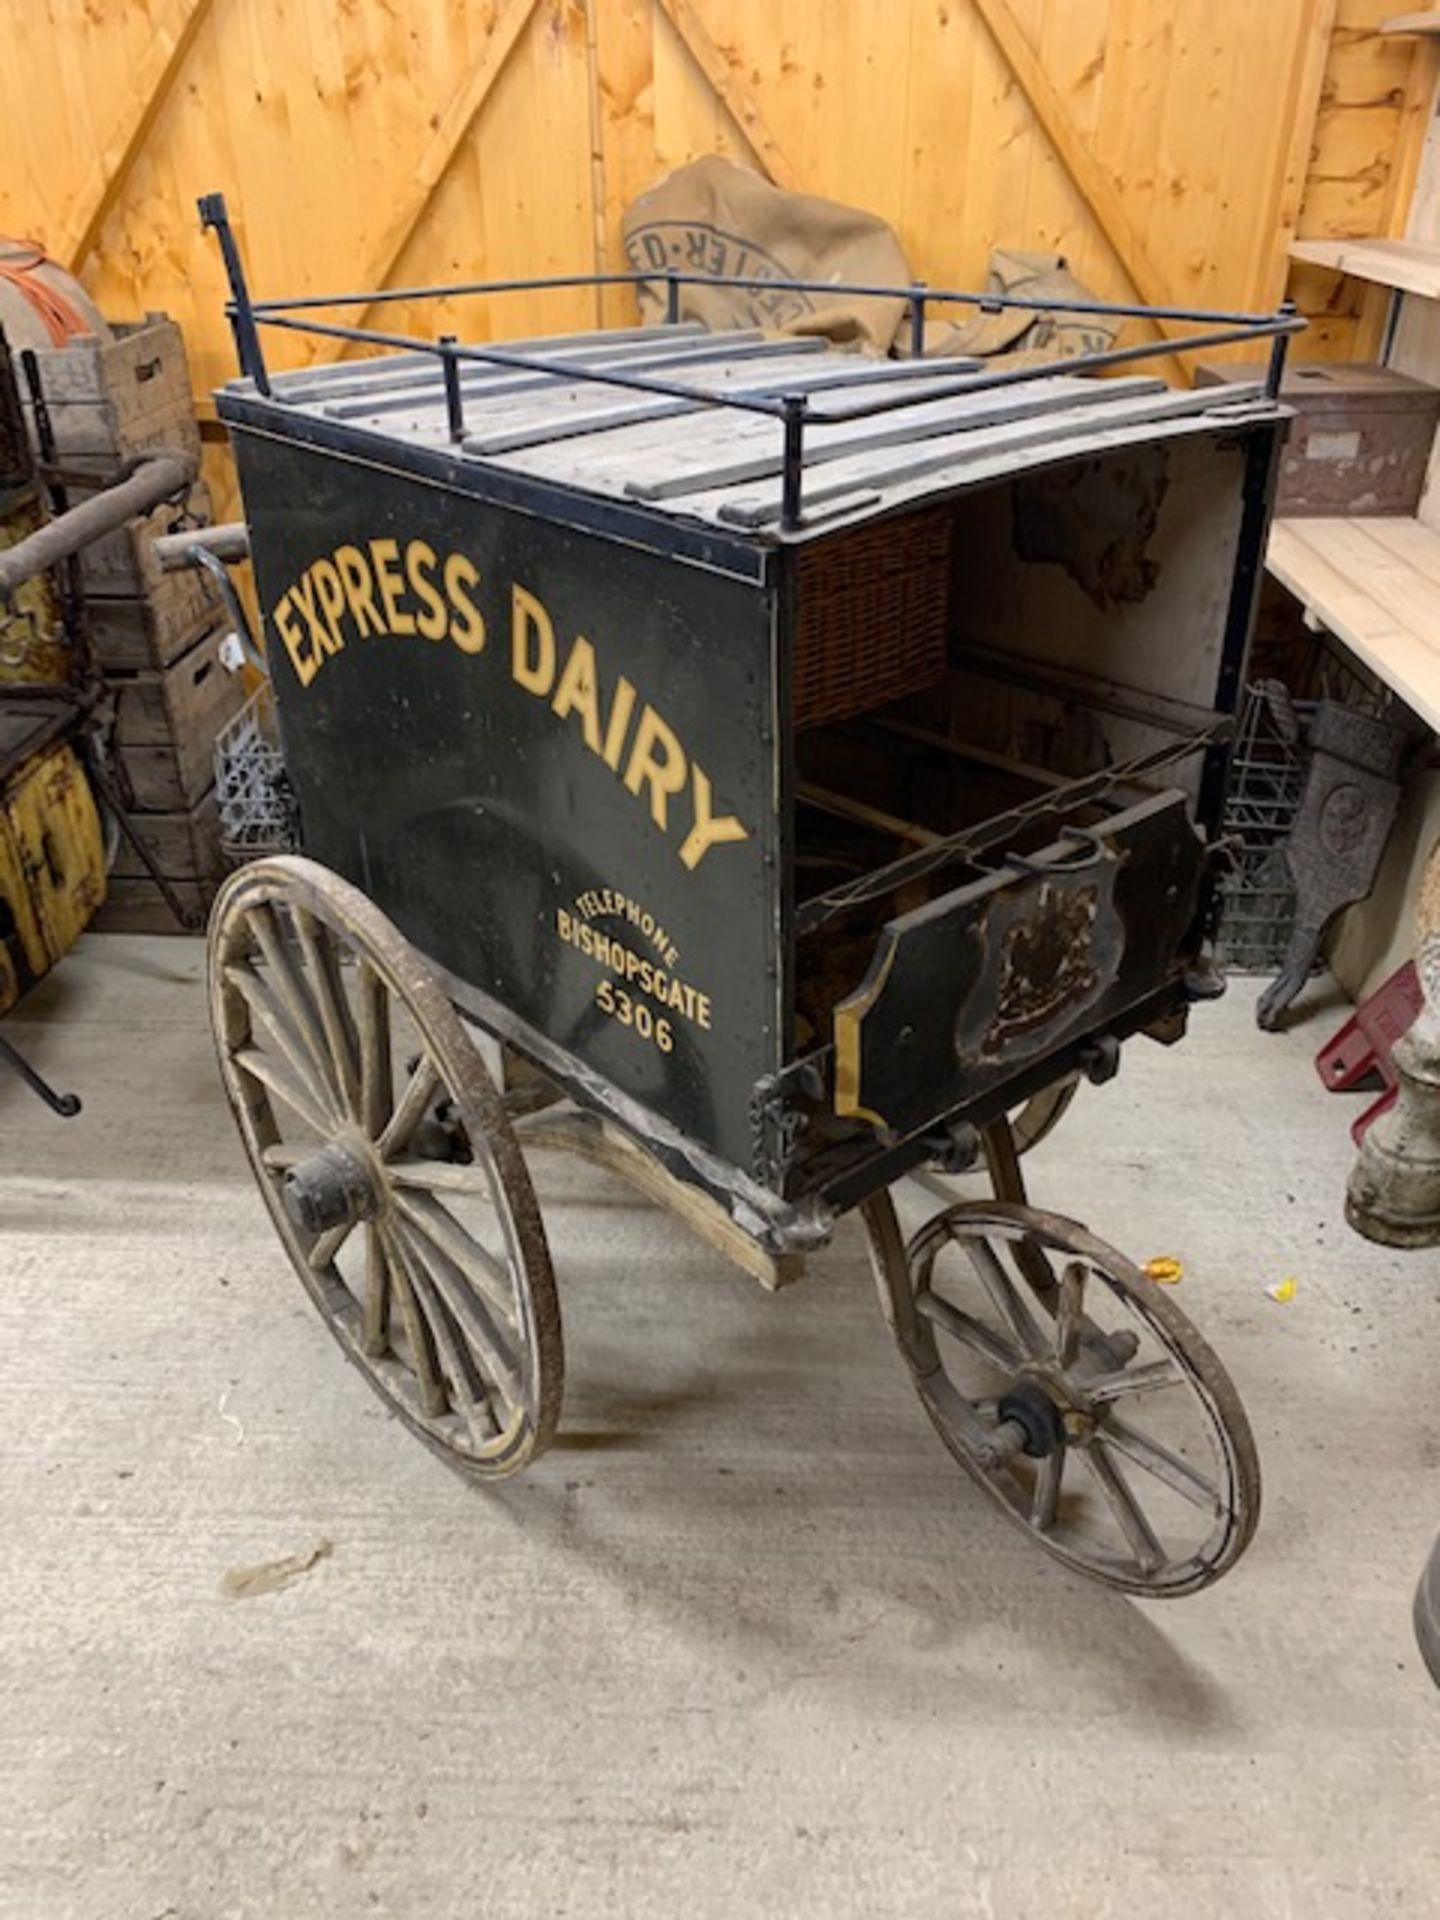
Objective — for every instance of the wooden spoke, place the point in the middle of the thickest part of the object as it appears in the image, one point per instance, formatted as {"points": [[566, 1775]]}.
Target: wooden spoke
{"points": [[1104, 1387], [328, 1244], [318, 1007], [1071, 1316], [329, 996], [1137, 1530], [1172, 1468], [283, 1084], [961, 1326], [1005, 1296], [377, 1092], [467, 1391], [1055, 1346], [290, 990], [420, 1090], [265, 1008], [487, 1275], [440, 1176], [375, 1338], [486, 1341], [1045, 1497], [419, 1341]]}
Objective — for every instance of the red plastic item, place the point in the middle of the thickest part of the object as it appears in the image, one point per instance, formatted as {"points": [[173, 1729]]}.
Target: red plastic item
{"points": [[1366, 1043]]}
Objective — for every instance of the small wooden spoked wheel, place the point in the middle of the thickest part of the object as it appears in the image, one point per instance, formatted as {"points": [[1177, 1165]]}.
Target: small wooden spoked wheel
{"points": [[1075, 1391], [387, 1161]]}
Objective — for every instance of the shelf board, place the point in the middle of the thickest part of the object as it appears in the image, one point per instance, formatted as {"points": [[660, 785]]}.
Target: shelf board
{"points": [[1376, 585], [1411, 23], [1405, 264]]}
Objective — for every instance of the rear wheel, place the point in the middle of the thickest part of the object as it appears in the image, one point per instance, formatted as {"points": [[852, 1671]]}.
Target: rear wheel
{"points": [[385, 1156], [1075, 1391]]}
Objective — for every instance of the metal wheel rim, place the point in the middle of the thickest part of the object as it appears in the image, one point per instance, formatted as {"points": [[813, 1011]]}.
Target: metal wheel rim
{"points": [[1235, 1464], [466, 1349], [1042, 1113]]}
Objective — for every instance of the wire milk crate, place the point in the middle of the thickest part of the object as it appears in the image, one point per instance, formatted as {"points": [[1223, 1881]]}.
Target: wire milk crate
{"points": [[252, 789], [1267, 780]]}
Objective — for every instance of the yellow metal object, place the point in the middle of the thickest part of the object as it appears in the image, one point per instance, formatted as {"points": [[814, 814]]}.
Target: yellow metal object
{"points": [[33, 648], [849, 1017], [1165, 1268], [52, 867]]}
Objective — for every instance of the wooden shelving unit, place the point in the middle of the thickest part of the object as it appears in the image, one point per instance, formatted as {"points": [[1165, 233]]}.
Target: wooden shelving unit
{"points": [[1407, 265], [1376, 585]]}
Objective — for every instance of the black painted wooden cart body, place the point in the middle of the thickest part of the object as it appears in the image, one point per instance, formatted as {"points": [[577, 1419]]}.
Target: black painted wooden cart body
{"points": [[800, 761]]}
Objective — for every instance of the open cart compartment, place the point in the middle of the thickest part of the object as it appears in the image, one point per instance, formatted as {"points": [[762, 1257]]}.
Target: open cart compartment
{"points": [[1010, 854]]}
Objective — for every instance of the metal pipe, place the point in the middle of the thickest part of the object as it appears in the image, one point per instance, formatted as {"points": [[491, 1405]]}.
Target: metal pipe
{"points": [[952, 296], [175, 551], [211, 563], [774, 406], [156, 477]]}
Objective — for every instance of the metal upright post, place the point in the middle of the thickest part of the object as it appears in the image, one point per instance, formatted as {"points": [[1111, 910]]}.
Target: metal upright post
{"points": [[1279, 347], [213, 213], [793, 468], [917, 320], [454, 404]]}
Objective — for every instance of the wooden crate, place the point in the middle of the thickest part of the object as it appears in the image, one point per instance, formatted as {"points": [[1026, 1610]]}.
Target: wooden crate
{"points": [[166, 725], [108, 399], [124, 562], [138, 906], [184, 845], [152, 629]]}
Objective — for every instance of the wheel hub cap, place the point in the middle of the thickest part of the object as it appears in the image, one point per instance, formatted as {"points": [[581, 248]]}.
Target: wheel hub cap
{"points": [[333, 1188]]}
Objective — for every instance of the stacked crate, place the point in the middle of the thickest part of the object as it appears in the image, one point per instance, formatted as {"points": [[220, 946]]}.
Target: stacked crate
{"points": [[154, 634]]}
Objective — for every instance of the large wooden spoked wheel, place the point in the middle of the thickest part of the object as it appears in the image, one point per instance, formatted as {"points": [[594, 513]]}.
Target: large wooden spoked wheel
{"points": [[387, 1161], [1090, 1410]]}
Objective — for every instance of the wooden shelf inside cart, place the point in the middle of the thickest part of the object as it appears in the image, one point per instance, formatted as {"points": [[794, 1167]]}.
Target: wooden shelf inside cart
{"points": [[1405, 264], [1376, 585]]}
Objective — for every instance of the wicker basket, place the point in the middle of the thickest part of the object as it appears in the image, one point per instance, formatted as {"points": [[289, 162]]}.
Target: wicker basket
{"points": [[871, 617]]}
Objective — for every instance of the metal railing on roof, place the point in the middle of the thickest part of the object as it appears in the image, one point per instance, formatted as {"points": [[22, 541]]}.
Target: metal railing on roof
{"points": [[794, 411]]}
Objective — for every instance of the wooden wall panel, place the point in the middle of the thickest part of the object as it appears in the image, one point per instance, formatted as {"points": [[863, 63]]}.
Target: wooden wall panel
{"points": [[449, 139], [1362, 161]]}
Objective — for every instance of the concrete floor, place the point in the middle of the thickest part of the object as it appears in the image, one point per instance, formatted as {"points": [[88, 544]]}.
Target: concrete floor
{"points": [[746, 1643]]}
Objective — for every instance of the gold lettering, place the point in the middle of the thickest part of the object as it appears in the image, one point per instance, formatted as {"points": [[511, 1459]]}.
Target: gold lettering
{"points": [[359, 589], [621, 708], [306, 665], [467, 629], [709, 830], [420, 564], [385, 558], [303, 594], [576, 692], [528, 617], [331, 595], [656, 757]]}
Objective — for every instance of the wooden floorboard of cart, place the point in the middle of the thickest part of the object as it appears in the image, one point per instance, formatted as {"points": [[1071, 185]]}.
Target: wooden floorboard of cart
{"points": [[1376, 585]]}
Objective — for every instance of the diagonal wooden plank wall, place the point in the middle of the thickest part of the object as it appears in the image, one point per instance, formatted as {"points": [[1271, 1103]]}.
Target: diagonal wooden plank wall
{"points": [[1165, 148]]}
